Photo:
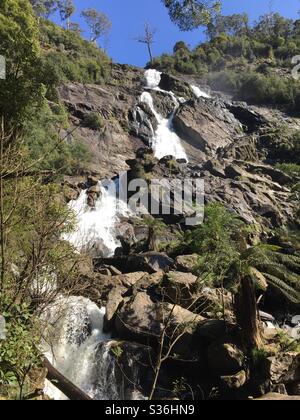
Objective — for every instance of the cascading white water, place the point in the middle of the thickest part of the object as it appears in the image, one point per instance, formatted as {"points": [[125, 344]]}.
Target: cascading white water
{"points": [[199, 93], [165, 141], [78, 348], [95, 227]]}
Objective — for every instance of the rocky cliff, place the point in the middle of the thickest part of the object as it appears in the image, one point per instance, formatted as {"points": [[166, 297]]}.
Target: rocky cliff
{"points": [[222, 140]]}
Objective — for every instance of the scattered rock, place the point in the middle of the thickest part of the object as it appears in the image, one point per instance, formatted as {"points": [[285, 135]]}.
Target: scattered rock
{"points": [[187, 263], [151, 262]]}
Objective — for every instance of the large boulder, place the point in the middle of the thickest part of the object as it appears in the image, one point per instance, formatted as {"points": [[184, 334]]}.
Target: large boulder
{"points": [[210, 302], [225, 359], [114, 300], [284, 368], [141, 319], [179, 288], [175, 85]]}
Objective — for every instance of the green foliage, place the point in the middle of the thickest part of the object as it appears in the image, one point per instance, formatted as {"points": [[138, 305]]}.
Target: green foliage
{"points": [[191, 14], [23, 87], [98, 23], [43, 138], [215, 242], [93, 121], [243, 60], [291, 169], [117, 352], [287, 344], [280, 271], [70, 58], [18, 352]]}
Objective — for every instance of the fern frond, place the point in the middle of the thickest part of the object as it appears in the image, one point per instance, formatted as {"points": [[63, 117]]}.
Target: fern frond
{"points": [[289, 292]]}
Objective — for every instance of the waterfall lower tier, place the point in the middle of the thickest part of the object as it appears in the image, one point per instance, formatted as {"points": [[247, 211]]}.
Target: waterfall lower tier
{"points": [[165, 141], [95, 231], [77, 348]]}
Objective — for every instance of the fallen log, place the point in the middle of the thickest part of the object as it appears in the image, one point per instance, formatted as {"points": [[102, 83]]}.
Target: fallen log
{"points": [[64, 385]]}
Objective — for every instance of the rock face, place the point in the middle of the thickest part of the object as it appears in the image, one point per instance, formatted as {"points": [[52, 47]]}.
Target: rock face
{"points": [[112, 145], [206, 126], [285, 369]]}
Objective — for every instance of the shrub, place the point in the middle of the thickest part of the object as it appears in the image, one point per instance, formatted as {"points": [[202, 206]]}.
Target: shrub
{"points": [[93, 121]]}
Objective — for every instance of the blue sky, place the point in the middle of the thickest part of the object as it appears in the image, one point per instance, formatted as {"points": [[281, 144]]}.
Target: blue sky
{"points": [[128, 18]]}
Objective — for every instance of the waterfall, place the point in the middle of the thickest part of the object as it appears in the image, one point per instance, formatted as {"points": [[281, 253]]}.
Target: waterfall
{"points": [[95, 227], [77, 348], [199, 93], [165, 141]]}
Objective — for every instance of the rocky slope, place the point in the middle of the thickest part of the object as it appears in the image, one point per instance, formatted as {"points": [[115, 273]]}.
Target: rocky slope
{"points": [[150, 295], [221, 139]]}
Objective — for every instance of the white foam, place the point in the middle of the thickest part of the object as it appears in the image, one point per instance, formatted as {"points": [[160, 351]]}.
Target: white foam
{"points": [[152, 78], [95, 228], [199, 93]]}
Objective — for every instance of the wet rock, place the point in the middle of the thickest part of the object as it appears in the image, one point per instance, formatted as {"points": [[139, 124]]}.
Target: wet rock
{"points": [[176, 85], [92, 180], [250, 119], [93, 194]]}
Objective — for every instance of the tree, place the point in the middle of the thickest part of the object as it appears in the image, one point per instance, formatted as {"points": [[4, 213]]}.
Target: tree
{"points": [[23, 87], [190, 14], [148, 39], [44, 8], [232, 25], [155, 227], [66, 9], [224, 257], [98, 23]]}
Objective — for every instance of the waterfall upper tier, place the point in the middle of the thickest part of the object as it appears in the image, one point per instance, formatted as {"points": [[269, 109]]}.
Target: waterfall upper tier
{"points": [[165, 141]]}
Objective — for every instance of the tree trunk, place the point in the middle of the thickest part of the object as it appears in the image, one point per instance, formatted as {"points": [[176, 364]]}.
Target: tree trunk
{"points": [[247, 313], [150, 53], [64, 385]]}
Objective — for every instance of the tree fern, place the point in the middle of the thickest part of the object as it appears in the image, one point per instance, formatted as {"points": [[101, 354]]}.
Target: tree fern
{"points": [[289, 292]]}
